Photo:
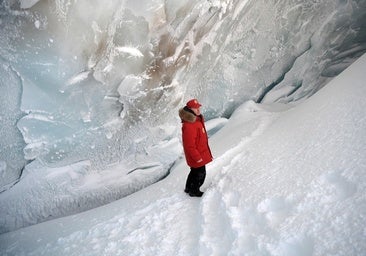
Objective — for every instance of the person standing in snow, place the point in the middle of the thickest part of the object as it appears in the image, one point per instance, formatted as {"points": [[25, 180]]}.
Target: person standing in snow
{"points": [[195, 144]]}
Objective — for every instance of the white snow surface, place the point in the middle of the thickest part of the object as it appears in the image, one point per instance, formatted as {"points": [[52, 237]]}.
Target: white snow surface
{"points": [[284, 181]]}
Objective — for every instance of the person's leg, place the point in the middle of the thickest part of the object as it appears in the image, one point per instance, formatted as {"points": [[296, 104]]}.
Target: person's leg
{"points": [[190, 181], [195, 180], [201, 175]]}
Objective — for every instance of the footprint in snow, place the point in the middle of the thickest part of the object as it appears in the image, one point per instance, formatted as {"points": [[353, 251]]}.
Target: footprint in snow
{"points": [[338, 187], [276, 209], [299, 245]]}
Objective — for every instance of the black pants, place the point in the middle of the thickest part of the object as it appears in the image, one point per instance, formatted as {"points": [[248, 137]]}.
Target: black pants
{"points": [[195, 178]]}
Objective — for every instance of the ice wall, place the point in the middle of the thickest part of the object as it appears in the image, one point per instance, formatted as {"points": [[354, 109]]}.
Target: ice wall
{"points": [[272, 50], [102, 80], [11, 143]]}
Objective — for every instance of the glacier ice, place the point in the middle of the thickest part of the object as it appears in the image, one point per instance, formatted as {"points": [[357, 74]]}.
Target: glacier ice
{"points": [[101, 81], [11, 143]]}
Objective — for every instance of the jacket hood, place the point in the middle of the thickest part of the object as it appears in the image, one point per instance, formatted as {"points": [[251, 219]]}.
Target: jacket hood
{"points": [[186, 115]]}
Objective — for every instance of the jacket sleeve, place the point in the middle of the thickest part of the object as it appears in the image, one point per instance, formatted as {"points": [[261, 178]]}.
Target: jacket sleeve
{"points": [[189, 142]]}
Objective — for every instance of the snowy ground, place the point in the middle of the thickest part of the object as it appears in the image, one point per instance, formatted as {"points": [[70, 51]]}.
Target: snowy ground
{"points": [[283, 182]]}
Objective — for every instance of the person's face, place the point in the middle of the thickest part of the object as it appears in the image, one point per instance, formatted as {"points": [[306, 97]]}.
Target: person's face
{"points": [[196, 111]]}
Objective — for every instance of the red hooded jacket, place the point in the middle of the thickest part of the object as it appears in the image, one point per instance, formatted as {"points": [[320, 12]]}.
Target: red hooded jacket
{"points": [[195, 140]]}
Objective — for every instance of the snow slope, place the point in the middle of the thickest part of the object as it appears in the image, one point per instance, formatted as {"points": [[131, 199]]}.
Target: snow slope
{"points": [[284, 182]]}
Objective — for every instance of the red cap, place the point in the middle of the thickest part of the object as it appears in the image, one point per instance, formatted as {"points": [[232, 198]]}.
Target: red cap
{"points": [[193, 104]]}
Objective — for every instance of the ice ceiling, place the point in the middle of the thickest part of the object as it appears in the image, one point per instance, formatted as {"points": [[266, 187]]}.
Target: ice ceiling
{"points": [[102, 80]]}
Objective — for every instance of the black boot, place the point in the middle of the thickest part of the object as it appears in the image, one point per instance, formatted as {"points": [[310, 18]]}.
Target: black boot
{"points": [[197, 193]]}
